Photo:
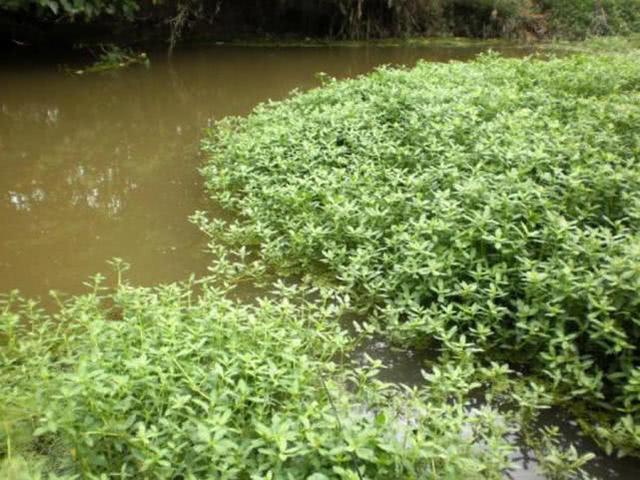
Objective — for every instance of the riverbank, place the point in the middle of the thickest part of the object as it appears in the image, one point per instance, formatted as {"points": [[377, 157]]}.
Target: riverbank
{"points": [[27, 23]]}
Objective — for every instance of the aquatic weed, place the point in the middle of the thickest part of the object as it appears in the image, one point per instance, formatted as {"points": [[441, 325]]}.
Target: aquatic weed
{"points": [[491, 207], [165, 382]]}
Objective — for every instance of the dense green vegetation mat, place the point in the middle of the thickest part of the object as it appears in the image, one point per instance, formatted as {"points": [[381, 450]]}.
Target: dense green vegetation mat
{"points": [[490, 207], [161, 383]]}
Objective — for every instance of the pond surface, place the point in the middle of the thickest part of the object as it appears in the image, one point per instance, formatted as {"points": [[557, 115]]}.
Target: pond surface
{"points": [[105, 165]]}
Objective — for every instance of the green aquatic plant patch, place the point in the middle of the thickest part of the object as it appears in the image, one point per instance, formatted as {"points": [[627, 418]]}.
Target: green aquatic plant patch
{"points": [[164, 383], [493, 205], [112, 58]]}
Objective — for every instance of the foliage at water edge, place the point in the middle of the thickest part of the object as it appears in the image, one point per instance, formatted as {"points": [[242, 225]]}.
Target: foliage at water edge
{"points": [[179, 381], [491, 206]]}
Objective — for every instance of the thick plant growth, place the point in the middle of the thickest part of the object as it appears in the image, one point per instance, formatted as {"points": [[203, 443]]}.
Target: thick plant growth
{"points": [[161, 383], [493, 205]]}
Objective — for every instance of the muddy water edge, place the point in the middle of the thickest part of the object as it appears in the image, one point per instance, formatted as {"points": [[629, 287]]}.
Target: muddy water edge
{"points": [[105, 165]]}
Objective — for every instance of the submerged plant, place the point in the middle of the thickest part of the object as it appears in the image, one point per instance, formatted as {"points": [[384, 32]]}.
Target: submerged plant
{"points": [[490, 207]]}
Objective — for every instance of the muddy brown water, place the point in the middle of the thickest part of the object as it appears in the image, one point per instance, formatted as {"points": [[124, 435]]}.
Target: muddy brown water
{"points": [[99, 166]]}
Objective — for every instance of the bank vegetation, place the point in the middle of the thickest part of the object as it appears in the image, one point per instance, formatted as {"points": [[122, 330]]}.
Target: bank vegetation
{"points": [[134, 20]]}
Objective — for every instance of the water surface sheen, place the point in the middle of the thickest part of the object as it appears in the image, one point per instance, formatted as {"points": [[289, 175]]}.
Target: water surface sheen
{"points": [[105, 165]]}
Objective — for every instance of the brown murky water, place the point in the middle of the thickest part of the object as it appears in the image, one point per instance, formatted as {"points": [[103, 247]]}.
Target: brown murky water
{"points": [[105, 165]]}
